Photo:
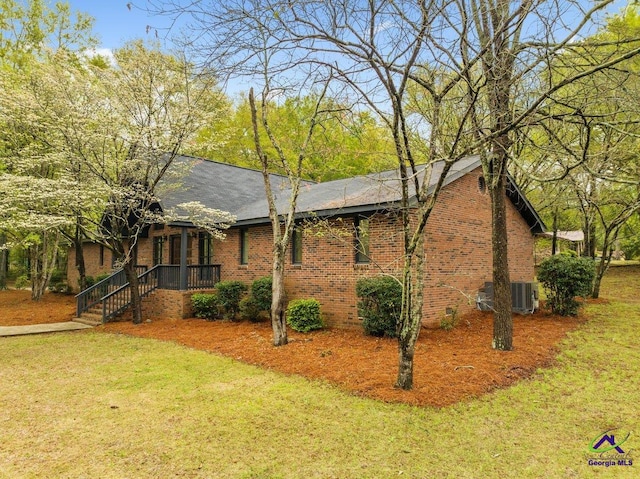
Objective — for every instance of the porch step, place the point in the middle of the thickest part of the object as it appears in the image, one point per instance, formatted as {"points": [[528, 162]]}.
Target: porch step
{"points": [[88, 319]]}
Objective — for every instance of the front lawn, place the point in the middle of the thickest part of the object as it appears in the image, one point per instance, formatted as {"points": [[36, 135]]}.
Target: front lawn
{"points": [[113, 406]]}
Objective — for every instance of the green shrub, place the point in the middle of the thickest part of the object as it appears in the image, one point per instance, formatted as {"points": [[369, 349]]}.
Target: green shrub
{"points": [[205, 305], [102, 276], [380, 304], [57, 282], [91, 281], [249, 309], [261, 290], [57, 276], [22, 282], [229, 295], [450, 320], [564, 278], [303, 315], [102, 290]]}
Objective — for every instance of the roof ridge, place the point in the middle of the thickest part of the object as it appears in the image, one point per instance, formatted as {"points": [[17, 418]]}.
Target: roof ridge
{"points": [[209, 160], [471, 158]]}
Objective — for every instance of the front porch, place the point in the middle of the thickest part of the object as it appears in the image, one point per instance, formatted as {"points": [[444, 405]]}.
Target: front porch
{"points": [[168, 284], [171, 286]]}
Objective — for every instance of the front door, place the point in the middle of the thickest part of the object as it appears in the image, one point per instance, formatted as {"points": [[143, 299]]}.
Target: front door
{"points": [[174, 249]]}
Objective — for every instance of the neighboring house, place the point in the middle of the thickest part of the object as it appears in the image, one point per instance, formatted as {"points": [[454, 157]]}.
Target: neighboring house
{"points": [[566, 240], [349, 228]]}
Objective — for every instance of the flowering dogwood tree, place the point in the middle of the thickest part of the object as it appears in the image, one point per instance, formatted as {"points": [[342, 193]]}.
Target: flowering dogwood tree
{"points": [[117, 131], [27, 29]]}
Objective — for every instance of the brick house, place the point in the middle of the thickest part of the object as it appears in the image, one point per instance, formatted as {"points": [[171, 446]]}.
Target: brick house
{"points": [[348, 229]]}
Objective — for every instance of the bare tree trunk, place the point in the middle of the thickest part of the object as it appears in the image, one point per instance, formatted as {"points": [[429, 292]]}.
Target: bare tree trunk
{"points": [[589, 237], [502, 316], [281, 237], [411, 315], [608, 245], [43, 262], [278, 301], [136, 302], [600, 270], [4, 261], [79, 250], [554, 239]]}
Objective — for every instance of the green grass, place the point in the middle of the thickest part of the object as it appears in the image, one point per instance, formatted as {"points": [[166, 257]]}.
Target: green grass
{"points": [[97, 405]]}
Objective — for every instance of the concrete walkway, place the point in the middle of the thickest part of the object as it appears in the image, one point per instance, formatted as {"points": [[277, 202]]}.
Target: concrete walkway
{"points": [[41, 328]]}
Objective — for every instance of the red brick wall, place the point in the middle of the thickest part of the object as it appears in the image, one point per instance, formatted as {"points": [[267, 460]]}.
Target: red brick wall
{"points": [[91, 262], [168, 304], [457, 254], [458, 248]]}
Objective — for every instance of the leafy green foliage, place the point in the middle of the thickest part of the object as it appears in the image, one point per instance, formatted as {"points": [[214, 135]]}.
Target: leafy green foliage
{"points": [[303, 315], [630, 238], [205, 305], [91, 281], [261, 291], [564, 278], [249, 309], [380, 304], [258, 301], [349, 144], [229, 295], [57, 282], [28, 28], [22, 282], [450, 321]]}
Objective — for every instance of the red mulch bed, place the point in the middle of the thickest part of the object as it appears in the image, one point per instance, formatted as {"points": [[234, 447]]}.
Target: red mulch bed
{"points": [[450, 366], [18, 309]]}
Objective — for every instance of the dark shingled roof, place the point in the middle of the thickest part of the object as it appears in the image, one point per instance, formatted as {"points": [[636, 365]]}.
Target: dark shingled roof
{"points": [[359, 194], [240, 191], [218, 185]]}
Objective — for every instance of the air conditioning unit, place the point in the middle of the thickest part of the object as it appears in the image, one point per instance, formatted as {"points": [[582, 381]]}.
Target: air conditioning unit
{"points": [[524, 297]]}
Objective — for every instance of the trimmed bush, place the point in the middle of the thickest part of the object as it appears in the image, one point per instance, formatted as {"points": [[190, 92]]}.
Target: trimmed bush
{"points": [[261, 290], [303, 315], [564, 278], [205, 305], [229, 295], [380, 304], [250, 309]]}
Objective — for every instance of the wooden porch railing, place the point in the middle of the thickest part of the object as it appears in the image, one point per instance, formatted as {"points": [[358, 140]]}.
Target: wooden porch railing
{"points": [[91, 296], [116, 297]]}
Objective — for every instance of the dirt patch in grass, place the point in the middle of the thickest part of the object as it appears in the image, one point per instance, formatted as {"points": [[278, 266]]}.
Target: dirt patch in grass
{"points": [[450, 366]]}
